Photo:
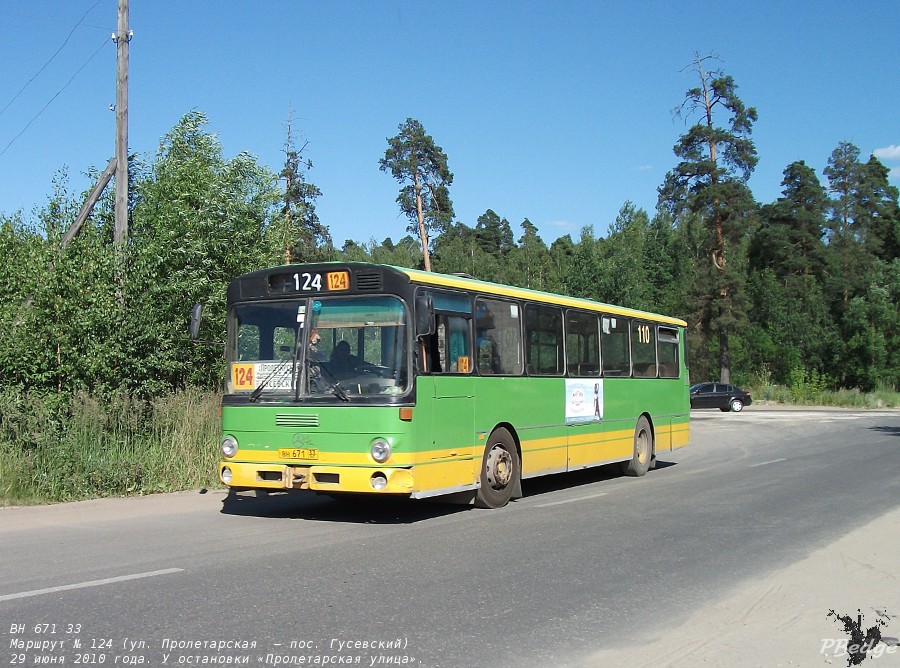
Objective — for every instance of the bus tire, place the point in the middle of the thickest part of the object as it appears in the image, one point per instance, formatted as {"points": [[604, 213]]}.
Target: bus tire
{"points": [[639, 463], [500, 471]]}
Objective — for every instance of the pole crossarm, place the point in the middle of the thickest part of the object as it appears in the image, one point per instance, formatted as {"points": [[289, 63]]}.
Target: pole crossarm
{"points": [[89, 203], [82, 216]]}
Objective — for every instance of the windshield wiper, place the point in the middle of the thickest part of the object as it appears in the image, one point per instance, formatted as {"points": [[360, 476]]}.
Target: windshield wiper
{"points": [[254, 395], [334, 385]]}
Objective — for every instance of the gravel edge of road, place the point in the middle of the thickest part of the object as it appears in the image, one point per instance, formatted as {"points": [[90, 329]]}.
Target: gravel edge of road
{"points": [[782, 619]]}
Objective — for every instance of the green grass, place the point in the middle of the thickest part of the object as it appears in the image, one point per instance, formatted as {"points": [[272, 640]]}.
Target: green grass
{"points": [[56, 448], [806, 395]]}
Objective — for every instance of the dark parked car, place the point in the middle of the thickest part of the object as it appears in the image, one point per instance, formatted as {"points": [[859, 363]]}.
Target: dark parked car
{"points": [[719, 395]]}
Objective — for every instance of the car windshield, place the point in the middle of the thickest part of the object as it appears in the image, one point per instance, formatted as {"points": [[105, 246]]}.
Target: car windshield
{"points": [[340, 347]]}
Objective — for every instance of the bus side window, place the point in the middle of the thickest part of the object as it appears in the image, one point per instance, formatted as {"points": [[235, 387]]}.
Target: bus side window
{"points": [[485, 355], [667, 341], [615, 349], [582, 344], [452, 339], [643, 349], [433, 352], [498, 337], [247, 342], [543, 340]]}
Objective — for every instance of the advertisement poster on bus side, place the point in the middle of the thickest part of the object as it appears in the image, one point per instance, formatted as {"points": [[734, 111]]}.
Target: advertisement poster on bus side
{"points": [[584, 401]]}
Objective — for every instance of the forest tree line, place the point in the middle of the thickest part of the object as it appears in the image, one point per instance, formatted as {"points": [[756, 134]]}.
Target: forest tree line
{"points": [[804, 287]]}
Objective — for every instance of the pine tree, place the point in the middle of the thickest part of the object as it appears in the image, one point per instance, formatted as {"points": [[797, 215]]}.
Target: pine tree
{"points": [[790, 239], [302, 237], [711, 180], [531, 258], [413, 158]]}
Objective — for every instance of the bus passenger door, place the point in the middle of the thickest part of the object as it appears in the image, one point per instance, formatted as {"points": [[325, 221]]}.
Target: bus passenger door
{"points": [[449, 355], [453, 416]]}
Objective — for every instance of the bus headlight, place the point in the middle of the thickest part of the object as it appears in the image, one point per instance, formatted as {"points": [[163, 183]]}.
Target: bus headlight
{"points": [[380, 450], [226, 475], [229, 446], [378, 481]]}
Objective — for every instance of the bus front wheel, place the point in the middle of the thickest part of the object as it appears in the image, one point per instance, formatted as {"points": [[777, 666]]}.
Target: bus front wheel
{"points": [[643, 449], [500, 471]]}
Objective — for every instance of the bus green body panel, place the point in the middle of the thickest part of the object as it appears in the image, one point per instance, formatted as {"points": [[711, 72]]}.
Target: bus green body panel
{"points": [[279, 443], [432, 393], [535, 411], [439, 451]]}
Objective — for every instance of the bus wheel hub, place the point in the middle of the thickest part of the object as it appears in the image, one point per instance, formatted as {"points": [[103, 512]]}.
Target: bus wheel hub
{"points": [[499, 467]]}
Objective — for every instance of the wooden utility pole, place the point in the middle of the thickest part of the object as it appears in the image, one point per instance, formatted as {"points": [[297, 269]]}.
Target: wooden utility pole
{"points": [[123, 37], [88, 205], [119, 163]]}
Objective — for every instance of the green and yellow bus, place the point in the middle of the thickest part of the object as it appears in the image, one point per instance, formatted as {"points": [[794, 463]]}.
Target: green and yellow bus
{"points": [[362, 378]]}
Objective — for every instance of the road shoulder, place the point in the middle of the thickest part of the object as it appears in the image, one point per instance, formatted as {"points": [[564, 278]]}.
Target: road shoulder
{"points": [[782, 619]]}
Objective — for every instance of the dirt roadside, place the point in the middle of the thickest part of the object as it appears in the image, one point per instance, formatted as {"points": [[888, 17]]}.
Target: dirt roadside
{"points": [[782, 619]]}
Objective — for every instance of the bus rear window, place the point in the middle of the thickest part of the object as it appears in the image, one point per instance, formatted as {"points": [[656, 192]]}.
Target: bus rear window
{"points": [[668, 352]]}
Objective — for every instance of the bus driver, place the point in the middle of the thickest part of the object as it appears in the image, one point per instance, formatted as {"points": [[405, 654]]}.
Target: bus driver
{"points": [[343, 364]]}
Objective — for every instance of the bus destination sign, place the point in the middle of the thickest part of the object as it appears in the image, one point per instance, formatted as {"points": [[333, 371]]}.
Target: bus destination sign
{"points": [[306, 281]]}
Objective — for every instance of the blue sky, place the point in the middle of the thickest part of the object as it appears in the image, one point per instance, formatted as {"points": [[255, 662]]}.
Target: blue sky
{"points": [[555, 112]]}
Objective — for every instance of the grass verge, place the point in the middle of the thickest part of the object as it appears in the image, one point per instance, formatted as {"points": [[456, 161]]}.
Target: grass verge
{"points": [[55, 448], [806, 395]]}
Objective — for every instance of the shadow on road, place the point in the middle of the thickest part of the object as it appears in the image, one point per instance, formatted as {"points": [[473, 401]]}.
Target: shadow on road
{"points": [[562, 481], [893, 431], [371, 509], [354, 509]]}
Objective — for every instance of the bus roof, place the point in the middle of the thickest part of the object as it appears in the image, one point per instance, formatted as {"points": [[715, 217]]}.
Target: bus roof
{"points": [[464, 283], [419, 277]]}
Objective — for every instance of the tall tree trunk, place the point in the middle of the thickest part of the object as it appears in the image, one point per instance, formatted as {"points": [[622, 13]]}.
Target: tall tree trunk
{"points": [[724, 358], [287, 222], [420, 214], [725, 308]]}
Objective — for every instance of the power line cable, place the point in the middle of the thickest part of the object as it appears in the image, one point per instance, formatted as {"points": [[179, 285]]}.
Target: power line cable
{"points": [[106, 41], [16, 96]]}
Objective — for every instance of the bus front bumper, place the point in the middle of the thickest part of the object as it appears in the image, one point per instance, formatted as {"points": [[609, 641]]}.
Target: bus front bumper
{"points": [[317, 478]]}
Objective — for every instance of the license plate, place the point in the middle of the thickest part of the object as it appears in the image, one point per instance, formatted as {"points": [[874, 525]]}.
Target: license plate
{"points": [[298, 453]]}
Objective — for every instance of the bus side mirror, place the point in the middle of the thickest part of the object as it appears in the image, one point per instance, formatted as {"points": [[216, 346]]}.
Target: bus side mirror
{"points": [[424, 315], [195, 321]]}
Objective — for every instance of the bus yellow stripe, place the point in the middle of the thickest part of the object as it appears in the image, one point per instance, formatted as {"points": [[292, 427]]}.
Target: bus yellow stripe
{"points": [[534, 295], [461, 464]]}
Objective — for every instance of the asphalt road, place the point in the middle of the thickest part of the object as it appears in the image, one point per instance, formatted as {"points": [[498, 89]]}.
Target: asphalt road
{"points": [[585, 561]]}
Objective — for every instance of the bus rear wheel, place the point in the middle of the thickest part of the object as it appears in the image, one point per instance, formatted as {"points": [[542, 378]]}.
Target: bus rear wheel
{"points": [[643, 449], [500, 470]]}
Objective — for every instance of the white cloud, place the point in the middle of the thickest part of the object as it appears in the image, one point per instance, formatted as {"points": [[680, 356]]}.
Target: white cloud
{"points": [[643, 168], [894, 174], [891, 152], [564, 225]]}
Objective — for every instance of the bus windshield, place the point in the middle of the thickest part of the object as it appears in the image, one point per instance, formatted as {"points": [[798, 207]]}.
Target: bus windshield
{"points": [[334, 347]]}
